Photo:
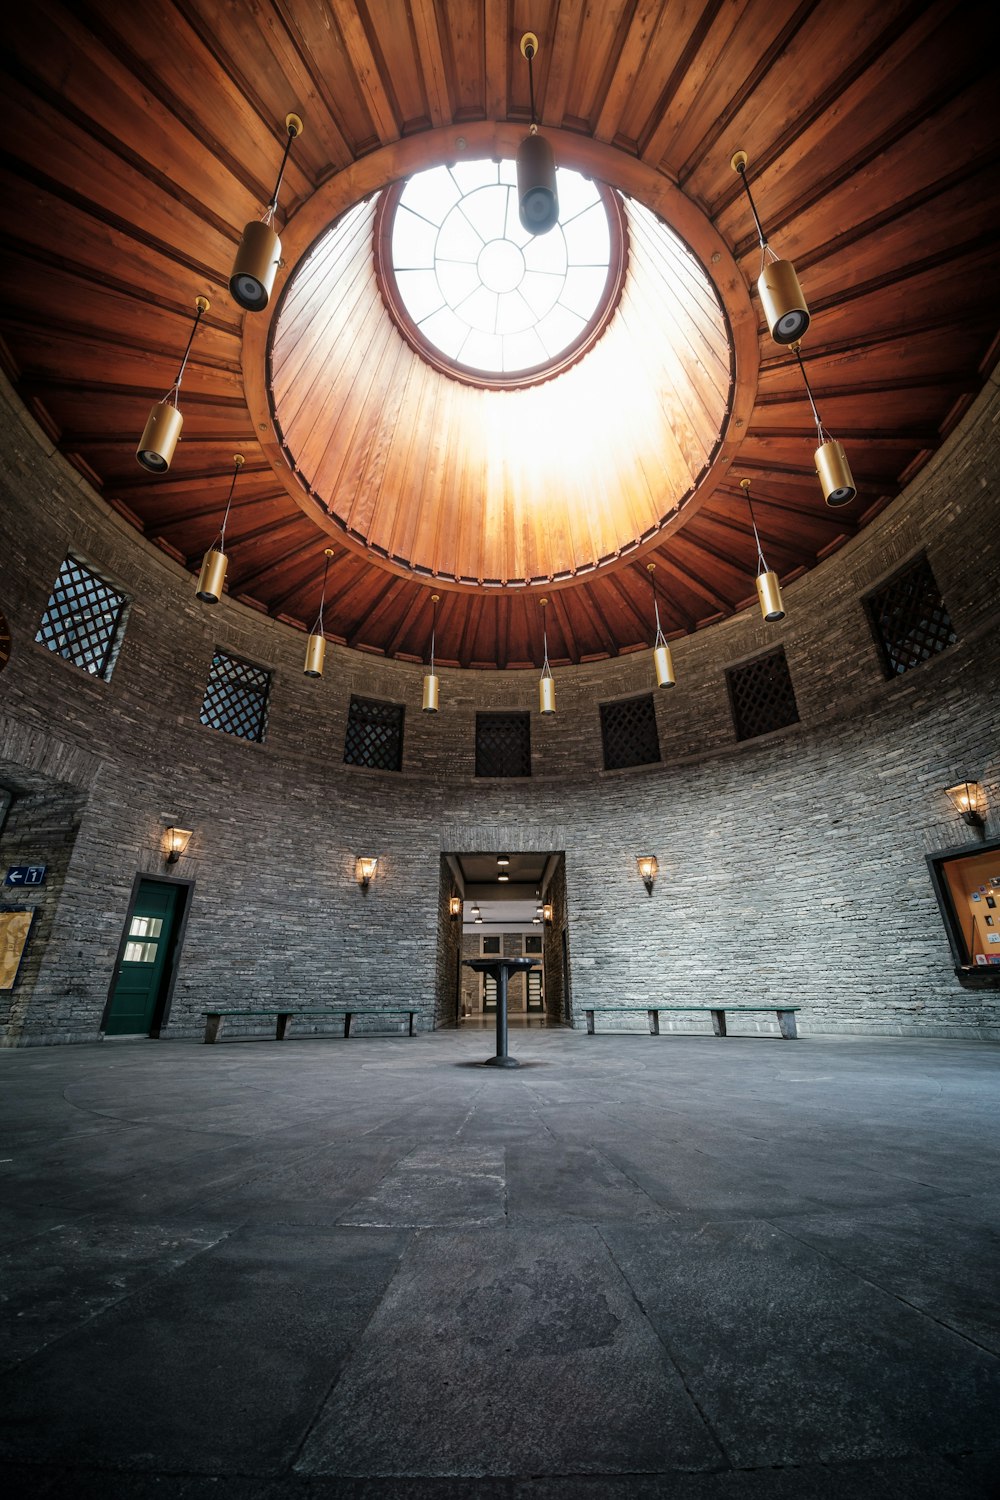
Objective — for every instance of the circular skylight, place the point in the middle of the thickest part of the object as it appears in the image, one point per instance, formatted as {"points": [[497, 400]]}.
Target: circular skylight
{"points": [[479, 291]]}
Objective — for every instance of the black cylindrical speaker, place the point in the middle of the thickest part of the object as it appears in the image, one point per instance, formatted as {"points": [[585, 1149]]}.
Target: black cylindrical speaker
{"points": [[537, 202]]}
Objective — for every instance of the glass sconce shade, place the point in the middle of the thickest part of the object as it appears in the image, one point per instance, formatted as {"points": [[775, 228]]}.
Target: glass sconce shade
{"points": [[364, 870], [159, 437], [212, 576], [176, 841], [454, 906], [969, 800], [769, 594], [648, 866]]}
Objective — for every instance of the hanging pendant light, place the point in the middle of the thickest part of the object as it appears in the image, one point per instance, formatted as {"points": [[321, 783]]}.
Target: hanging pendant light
{"points": [[163, 425], [431, 683], [768, 590], [835, 477], [316, 645], [546, 683], [215, 562], [662, 660], [537, 198], [259, 250], [778, 286]]}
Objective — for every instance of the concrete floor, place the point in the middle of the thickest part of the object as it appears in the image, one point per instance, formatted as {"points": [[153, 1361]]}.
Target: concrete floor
{"points": [[639, 1266]]}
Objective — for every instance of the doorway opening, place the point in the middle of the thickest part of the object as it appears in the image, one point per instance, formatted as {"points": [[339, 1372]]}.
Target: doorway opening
{"points": [[507, 905], [143, 979]]}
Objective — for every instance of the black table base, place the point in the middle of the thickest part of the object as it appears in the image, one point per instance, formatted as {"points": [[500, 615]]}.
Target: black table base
{"points": [[501, 969]]}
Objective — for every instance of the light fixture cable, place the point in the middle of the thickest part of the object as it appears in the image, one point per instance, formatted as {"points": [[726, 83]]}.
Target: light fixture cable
{"points": [[660, 639], [202, 306], [761, 564], [318, 627], [293, 126], [238, 462]]}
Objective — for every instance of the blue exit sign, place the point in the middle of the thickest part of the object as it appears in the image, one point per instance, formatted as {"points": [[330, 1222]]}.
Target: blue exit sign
{"points": [[25, 875]]}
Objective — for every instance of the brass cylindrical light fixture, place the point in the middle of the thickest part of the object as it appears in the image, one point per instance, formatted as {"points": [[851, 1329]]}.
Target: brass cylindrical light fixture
{"points": [[785, 309], [537, 196], [546, 684], [431, 682], [212, 578], [259, 252], [162, 431], [316, 645], [662, 660], [832, 468], [768, 588]]}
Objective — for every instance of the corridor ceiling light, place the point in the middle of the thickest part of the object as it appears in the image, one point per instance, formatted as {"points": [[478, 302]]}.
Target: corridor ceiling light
{"points": [[537, 201], [662, 660], [212, 577], [781, 296], [259, 250], [316, 645], [768, 591], [163, 425], [503, 860], [969, 801], [364, 870], [454, 906], [431, 683], [175, 841], [537, 921], [478, 918], [835, 477], [546, 683], [648, 866]]}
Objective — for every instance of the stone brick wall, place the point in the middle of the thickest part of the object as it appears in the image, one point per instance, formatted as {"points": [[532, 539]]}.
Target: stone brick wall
{"points": [[791, 867]]}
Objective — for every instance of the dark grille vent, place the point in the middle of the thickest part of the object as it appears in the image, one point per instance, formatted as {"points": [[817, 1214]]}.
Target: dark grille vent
{"points": [[910, 619], [503, 744], [374, 735], [762, 696], [628, 730], [236, 697], [81, 619]]}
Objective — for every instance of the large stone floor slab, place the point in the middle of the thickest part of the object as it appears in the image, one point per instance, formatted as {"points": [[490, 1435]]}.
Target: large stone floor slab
{"points": [[637, 1266]]}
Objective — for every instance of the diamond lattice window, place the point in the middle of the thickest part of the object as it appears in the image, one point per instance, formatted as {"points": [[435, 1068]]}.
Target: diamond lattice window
{"points": [[628, 729], [82, 618], [503, 744], [374, 735], [910, 619], [762, 696], [236, 697]]}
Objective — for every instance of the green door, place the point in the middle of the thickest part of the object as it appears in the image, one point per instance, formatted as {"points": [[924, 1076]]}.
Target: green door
{"points": [[143, 971]]}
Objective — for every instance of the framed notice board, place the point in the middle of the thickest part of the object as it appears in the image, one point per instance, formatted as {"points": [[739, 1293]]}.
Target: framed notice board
{"points": [[14, 929]]}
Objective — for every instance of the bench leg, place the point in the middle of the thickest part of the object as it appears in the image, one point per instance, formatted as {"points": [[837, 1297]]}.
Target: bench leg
{"points": [[719, 1022], [213, 1025], [412, 1015], [590, 1022], [786, 1020], [654, 1023], [282, 1025], [347, 1024]]}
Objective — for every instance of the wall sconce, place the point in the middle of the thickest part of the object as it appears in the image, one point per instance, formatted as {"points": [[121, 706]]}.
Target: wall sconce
{"points": [[648, 866], [778, 286], [768, 588], [546, 683], [547, 912], [537, 197], [175, 841], [969, 802], [163, 425], [832, 469], [212, 578], [364, 870], [454, 906], [259, 252]]}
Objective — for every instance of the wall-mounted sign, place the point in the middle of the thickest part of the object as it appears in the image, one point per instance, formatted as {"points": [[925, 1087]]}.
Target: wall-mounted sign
{"points": [[25, 875]]}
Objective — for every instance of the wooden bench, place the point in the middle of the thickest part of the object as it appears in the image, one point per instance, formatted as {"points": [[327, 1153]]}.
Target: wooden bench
{"points": [[215, 1018], [784, 1013]]}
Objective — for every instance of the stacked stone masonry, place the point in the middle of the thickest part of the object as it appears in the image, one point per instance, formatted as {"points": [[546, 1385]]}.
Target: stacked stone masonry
{"points": [[792, 867]]}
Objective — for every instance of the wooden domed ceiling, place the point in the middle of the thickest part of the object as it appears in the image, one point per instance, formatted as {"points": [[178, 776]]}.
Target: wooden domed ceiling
{"points": [[140, 138]]}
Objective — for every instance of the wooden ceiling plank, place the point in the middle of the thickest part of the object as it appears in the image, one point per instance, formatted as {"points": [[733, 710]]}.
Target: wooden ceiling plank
{"points": [[366, 69], [654, 31], [497, 29], [557, 52], [432, 64]]}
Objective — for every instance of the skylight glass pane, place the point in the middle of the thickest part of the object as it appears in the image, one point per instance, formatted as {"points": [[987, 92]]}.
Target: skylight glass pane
{"points": [[498, 282]]}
